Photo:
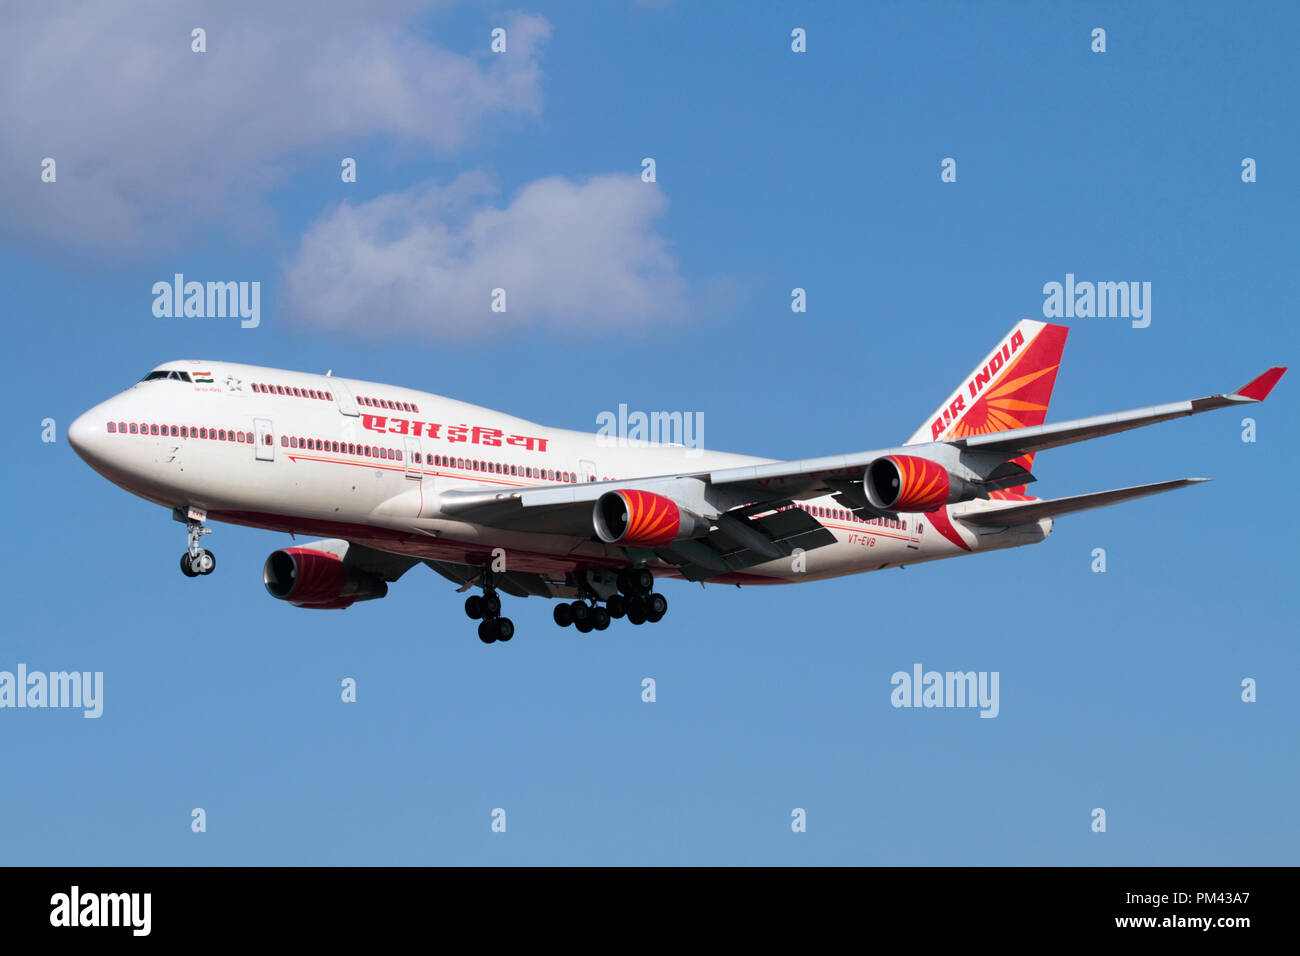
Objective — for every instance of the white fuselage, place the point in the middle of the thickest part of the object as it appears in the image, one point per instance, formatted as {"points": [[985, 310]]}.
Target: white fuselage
{"points": [[367, 462]]}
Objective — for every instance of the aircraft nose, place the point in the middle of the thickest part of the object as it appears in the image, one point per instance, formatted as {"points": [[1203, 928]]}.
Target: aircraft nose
{"points": [[81, 433], [88, 436]]}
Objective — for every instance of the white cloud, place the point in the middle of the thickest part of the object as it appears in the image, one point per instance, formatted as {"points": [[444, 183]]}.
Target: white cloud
{"points": [[150, 137], [568, 255]]}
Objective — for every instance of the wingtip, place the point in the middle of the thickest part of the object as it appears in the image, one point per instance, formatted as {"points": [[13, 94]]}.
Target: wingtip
{"points": [[1196, 481], [1257, 389]]}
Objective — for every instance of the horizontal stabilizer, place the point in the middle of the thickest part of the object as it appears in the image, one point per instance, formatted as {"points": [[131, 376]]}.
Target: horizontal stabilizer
{"points": [[1025, 512]]}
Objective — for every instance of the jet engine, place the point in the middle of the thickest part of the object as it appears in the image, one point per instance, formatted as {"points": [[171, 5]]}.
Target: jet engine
{"points": [[317, 579], [908, 483], [643, 519]]}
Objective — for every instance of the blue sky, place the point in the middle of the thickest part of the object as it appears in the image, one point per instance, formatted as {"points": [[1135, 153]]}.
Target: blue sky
{"points": [[775, 170]]}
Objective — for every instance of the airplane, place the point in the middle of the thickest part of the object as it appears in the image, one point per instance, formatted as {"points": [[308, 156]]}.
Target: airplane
{"points": [[391, 477]]}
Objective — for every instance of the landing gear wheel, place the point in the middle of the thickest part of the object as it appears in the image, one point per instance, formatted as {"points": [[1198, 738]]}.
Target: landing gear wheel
{"points": [[505, 629], [656, 608], [474, 607], [563, 615], [583, 626], [487, 632], [581, 613], [635, 616], [635, 582], [639, 606], [491, 604], [599, 618], [192, 565], [616, 605]]}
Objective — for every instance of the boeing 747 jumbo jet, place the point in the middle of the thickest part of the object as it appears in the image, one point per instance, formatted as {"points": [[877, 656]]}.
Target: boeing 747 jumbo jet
{"points": [[393, 477]]}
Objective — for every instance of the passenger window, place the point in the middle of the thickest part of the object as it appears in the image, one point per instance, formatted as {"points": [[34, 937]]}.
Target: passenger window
{"points": [[112, 426]]}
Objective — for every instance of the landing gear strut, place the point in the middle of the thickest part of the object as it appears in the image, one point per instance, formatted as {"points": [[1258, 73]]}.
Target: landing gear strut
{"points": [[486, 609], [195, 560], [638, 603]]}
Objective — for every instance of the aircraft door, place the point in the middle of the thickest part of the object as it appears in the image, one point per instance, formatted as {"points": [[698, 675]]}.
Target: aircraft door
{"points": [[343, 396], [586, 470], [264, 436], [414, 468]]}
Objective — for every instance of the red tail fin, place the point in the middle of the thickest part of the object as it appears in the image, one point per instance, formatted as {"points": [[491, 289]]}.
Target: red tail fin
{"points": [[1011, 388]]}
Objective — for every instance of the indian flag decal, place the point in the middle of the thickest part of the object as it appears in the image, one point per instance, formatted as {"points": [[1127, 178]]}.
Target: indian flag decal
{"points": [[203, 377]]}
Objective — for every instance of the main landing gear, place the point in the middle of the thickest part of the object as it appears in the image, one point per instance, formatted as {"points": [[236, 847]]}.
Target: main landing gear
{"points": [[195, 560], [637, 601], [486, 609]]}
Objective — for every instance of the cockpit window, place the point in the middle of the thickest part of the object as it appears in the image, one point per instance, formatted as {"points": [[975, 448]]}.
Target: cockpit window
{"points": [[167, 374]]}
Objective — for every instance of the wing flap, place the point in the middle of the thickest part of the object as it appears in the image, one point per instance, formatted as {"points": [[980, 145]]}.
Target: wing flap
{"points": [[762, 539]]}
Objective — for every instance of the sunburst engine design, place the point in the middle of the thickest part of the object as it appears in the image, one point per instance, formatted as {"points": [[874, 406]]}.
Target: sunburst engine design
{"points": [[317, 579], [909, 483], [643, 519]]}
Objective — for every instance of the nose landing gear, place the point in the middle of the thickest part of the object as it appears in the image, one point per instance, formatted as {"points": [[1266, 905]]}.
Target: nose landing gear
{"points": [[195, 561]]}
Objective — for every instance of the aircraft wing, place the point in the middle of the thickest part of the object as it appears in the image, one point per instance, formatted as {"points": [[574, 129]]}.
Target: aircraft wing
{"points": [[745, 502], [1010, 514], [1018, 441], [820, 474]]}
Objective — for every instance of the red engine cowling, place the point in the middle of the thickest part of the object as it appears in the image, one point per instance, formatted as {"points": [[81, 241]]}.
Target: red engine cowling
{"points": [[908, 483], [317, 579], [643, 519]]}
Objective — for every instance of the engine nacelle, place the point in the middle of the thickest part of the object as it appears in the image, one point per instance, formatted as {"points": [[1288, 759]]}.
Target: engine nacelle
{"points": [[317, 579], [642, 519], [908, 483]]}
